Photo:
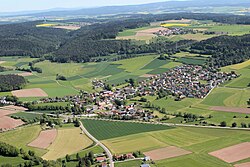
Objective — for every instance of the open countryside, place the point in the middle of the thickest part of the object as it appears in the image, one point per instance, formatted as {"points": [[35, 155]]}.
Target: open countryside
{"points": [[126, 86]]}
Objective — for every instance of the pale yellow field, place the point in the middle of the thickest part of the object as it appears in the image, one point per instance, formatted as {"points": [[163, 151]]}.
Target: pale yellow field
{"points": [[68, 141], [132, 143], [45, 25], [239, 66], [174, 25], [180, 137]]}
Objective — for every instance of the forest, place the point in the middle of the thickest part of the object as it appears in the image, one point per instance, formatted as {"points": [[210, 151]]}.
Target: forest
{"points": [[11, 82], [98, 40], [225, 50]]}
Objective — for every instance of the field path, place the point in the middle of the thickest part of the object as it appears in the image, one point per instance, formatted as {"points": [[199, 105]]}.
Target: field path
{"points": [[111, 162]]}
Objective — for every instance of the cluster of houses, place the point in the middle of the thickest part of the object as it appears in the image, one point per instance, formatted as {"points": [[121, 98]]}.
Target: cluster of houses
{"points": [[4, 101], [175, 31], [191, 81]]}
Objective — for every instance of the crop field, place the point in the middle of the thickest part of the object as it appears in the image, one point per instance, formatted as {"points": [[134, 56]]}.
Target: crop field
{"points": [[232, 29], [171, 105], [26, 115], [174, 25], [21, 137], [200, 141], [230, 97], [110, 129], [196, 25], [68, 141], [45, 138]]}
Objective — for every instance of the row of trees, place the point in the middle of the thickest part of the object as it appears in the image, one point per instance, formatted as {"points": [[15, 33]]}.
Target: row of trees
{"points": [[85, 161], [11, 82], [242, 125], [8, 150], [30, 158]]}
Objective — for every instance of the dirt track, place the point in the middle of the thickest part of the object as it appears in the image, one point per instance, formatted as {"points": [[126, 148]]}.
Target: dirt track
{"points": [[167, 152], [234, 153]]}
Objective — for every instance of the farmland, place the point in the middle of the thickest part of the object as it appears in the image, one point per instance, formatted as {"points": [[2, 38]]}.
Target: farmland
{"points": [[110, 129], [199, 141], [80, 75], [192, 24], [21, 137], [68, 141], [126, 137]]}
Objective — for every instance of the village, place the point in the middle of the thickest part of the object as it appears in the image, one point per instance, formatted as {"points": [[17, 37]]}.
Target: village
{"points": [[186, 81], [175, 31]]}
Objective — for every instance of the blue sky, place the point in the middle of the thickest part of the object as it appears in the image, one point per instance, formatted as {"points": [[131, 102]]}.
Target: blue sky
{"points": [[26, 5]]}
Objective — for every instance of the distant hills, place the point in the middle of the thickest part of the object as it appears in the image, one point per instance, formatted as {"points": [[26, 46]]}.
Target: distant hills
{"points": [[208, 6]]}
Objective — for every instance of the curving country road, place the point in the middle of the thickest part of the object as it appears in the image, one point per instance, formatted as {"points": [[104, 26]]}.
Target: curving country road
{"points": [[111, 162]]}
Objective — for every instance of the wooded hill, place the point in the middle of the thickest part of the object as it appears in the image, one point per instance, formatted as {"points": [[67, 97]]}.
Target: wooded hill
{"points": [[98, 40], [225, 50]]}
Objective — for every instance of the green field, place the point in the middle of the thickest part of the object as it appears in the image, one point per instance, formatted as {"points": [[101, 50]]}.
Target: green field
{"points": [[80, 75], [110, 129], [197, 25], [134, 163], [230, 97], [21, 137], [27, 116], [200, 141], [11, 160]]}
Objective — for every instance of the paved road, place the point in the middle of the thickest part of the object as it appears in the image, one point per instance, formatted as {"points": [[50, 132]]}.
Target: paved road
{"points": [[111, 162]]}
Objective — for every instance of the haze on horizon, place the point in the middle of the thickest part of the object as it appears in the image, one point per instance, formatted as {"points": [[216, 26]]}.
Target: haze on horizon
{"points": [[31, 5]]}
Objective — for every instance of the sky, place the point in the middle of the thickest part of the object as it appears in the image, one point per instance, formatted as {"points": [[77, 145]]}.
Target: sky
{"points": [[29, 5]]}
